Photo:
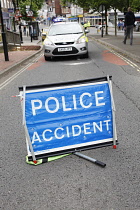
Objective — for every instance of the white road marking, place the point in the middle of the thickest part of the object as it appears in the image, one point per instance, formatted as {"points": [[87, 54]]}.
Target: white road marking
{"points": [[122, 57], [10, 79], [133, 65], [77, 63]]}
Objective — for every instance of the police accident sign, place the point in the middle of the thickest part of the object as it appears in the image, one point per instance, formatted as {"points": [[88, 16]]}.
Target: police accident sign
{"points": [[68, 116]]}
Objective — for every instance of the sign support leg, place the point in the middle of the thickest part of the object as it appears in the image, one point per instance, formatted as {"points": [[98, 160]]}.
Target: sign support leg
{"points": [[25, 127], [113, 113], [97, 162]]}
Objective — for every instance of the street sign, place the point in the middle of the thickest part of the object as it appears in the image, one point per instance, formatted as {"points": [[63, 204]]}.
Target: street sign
{"points": [[18, 14], [11, 10], [30, 13], [11, 15], [68, 117]]}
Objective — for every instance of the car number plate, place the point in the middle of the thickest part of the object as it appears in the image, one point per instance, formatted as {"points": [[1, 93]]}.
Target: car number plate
{"points": [[65, 49]]}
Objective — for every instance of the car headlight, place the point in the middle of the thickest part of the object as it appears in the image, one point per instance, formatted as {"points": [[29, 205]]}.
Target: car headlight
{"points": [[82, 39], [48, 42]]}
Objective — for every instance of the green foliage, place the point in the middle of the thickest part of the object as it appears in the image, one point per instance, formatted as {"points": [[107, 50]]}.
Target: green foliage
{"points": [[94, 4], [35, 5], [136, 5]]}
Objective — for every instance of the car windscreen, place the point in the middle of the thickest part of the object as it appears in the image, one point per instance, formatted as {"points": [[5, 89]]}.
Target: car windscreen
{"points": [[65, 29]]}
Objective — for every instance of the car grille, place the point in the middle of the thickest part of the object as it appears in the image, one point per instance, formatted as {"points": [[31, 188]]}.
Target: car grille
{"points": [[74, 51], [64, 43]]}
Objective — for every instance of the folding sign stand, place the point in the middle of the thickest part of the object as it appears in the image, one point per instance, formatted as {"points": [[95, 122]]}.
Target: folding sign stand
{"points": [[97, 162], [25, 127], [90, 107]]}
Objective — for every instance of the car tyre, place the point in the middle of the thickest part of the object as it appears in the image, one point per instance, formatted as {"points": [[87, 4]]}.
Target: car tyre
{"points": [[47, 58], [86, 55]]}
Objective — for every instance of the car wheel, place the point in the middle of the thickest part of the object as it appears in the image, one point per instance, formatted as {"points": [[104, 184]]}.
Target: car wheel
{"points": [[86, 55], [47, 58]]}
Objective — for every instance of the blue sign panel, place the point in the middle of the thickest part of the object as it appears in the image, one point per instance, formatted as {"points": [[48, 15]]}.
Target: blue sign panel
{"points": [[71, 116]]}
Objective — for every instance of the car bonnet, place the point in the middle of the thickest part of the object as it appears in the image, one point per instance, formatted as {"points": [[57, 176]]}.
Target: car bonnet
{"points": [[65, 38]]}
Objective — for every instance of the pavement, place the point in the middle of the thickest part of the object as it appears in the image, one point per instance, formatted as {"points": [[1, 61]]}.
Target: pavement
{"points": [[18, 57], [116, 43]]}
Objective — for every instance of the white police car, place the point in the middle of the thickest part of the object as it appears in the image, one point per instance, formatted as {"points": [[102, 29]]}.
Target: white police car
{"points": [[66, 39]]}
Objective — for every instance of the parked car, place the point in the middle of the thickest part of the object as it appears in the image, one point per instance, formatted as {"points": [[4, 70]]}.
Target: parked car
{"points": [[137, 26], [44, 33], [66, 39]]}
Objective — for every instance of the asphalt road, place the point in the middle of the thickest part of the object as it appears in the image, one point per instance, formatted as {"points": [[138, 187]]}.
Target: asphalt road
{"points": [[72, 183]]}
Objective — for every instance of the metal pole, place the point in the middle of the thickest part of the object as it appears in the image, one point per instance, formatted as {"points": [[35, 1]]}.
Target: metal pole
{"points": [[127, 3], [115, 22], [113, 113], [4, 36], [20, 32], [97, 162], [24, 124], [14, 24], [31, 23], [102, 21], [14, 17]]}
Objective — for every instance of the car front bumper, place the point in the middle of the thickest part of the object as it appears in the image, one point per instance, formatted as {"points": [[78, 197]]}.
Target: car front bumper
{"points": [[76, 49]]}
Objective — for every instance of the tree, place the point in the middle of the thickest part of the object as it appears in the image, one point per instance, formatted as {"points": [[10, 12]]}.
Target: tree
{"points": [[115, 4], [136, 5], [35, 5], [94, 4]]}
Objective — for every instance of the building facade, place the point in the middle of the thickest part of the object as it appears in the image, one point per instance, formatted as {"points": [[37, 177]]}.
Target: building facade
{"points": [[8, 13]]}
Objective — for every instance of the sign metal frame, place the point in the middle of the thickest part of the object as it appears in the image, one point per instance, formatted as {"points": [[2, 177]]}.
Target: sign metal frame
{"points": [[70, 149]]}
